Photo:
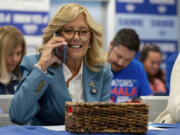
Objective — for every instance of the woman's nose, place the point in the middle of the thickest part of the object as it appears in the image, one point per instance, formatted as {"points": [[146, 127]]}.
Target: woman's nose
{"points": [[76, 35]]}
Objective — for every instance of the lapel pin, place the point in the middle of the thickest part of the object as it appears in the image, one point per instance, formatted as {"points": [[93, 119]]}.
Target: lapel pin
{"points": [[92, 84], [93, 90]]}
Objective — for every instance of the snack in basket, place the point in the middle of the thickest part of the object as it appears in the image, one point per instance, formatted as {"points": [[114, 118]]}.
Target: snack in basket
{"points": [[101, 117]]}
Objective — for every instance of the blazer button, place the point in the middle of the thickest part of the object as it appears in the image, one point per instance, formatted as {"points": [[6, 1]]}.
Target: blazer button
{"points": [[93, 91]]}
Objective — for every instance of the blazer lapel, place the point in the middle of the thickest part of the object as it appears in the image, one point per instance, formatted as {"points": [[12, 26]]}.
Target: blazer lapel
{"points": [[89, 83], [59, 84]]}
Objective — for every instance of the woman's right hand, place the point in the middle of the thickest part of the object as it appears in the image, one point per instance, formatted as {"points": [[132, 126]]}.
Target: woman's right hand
{"points": [[47, 56]]}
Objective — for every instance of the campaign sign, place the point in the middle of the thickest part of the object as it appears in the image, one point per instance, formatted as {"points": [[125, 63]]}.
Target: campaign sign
{"points": [[155, 21], [30, 17], [29, 23]]}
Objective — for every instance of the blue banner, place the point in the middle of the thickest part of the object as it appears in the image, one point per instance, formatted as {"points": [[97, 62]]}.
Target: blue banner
{"points": [[28, 22], [155, 21], [156, 7], [29, 16]]}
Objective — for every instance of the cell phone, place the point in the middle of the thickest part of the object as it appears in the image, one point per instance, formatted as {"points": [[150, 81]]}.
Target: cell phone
{"points": [[63, 50]]}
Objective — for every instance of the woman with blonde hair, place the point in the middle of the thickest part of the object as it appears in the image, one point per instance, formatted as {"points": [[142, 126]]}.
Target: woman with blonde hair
{"points": [[12, 49], [54, 77]]}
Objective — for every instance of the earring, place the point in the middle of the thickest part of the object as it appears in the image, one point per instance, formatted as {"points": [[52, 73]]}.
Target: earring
{"points": [[89, 46]]}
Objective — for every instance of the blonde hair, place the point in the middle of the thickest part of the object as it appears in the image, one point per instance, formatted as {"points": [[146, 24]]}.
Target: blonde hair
{"points": [[10, 38], [96, 56]]}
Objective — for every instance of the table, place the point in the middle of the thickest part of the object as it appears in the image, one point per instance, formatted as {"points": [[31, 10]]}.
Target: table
{"points": [[174, 129]]}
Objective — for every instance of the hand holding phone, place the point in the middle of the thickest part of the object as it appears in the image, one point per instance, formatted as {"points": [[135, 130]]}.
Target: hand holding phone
{"points": [[60, 52], [62, 55]]}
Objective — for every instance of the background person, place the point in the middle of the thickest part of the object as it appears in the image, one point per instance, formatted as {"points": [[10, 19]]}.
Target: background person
{"points": [[169, 66], [84, 77], [171, 113], [12, 49], [129, 77], [151, 57]]}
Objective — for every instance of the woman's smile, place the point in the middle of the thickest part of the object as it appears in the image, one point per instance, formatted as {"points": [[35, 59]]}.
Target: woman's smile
{"points": [[75, 46]]}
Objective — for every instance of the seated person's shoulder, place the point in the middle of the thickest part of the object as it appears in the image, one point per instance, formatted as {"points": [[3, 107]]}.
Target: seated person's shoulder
{"points": [[172, 58], [136, 63], [107, 66], [106, 69], [29, 61], [137, 66]]}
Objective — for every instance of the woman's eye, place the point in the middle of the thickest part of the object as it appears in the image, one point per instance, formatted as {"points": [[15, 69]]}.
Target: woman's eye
{"points": [[68, 31], [83, 31]]}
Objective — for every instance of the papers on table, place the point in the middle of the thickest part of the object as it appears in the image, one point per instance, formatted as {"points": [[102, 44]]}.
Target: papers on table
{"points": [[155, 128], [55, 128], [151, 126], [160, 126]]}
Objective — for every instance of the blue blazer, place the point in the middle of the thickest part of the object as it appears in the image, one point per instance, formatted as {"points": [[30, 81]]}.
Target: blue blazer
{"points": [[40, 97]]}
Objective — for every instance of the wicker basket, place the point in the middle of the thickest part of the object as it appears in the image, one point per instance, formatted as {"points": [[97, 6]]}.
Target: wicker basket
{"points": [[106, 117]]}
